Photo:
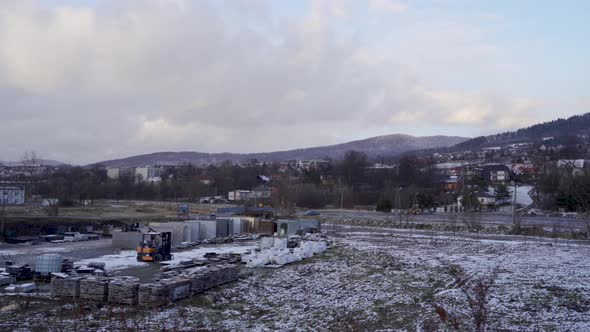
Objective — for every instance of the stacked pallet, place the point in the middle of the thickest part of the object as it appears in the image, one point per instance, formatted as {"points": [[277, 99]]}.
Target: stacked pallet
{"points": [[65, 287], [153, 294], [123, 290], [95, 289]]}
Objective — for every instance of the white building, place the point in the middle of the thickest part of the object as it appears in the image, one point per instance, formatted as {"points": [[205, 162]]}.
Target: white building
{"points": [[113, 172], [12, 195], [575, 166], [239, 195]]}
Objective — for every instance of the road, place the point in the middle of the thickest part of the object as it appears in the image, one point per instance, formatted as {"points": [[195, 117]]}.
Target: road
{"points": [[484, 218]]}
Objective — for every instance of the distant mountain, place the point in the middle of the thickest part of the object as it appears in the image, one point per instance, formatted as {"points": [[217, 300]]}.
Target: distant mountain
{"points": [[384, 146], [573, 126]]}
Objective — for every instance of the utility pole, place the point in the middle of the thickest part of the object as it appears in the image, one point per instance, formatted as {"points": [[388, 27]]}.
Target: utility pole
{"points": [[341, 201], [4, 194], [514, 204]]}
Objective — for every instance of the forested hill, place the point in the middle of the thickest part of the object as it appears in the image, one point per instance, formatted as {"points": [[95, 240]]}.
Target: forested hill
{"points": [[575, 125]]}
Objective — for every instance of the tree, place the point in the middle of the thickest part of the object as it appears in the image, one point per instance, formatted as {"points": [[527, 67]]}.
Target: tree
{"points": [[384, 205], [501, 192], [352, 167], [30, 163]]}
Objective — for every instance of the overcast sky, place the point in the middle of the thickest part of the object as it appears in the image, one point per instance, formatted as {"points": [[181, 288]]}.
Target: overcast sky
{"points": [[85, 81]]}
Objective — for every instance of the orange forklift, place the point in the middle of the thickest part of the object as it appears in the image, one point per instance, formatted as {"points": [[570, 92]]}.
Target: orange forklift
{"points": [[155, 247]]}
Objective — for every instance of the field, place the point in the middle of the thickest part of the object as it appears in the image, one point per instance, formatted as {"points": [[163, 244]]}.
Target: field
{"points": [[367, 281]]}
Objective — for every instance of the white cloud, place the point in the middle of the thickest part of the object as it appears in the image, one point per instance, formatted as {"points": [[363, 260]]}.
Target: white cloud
{"points": [[393, 6], [85, 84]]}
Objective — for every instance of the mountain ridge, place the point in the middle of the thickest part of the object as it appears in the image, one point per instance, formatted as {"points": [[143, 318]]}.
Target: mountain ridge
{"points": [[385, 146]]}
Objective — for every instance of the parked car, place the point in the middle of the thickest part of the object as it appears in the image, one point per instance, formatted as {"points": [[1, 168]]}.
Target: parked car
{"points": [[311, 213]]}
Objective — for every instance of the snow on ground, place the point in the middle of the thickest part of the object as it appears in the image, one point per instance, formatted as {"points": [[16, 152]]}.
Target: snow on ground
{"points": [[31, 250], [372, 281], [122, 260], [128, 258], [237, 248]]}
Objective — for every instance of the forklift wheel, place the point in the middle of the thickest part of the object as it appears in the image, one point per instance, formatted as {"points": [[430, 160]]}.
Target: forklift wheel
{"points": [[157, 258]]}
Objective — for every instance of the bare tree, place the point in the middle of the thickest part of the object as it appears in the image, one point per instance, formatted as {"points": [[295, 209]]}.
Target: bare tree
{"points": [[30, 163]]}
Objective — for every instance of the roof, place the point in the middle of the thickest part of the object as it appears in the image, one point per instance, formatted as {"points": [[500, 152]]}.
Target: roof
{"points": [[485, 195], [261, 188], [12, 187], [264, 178]]}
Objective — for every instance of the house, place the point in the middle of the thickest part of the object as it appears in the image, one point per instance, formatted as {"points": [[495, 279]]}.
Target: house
{"points": [[486, 199], [12, 194], [523, 169], [575, 167], [450, 184], [496, 173]]}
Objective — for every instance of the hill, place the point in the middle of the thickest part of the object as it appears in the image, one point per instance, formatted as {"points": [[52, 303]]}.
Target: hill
{"points": [[573, 126], [384, 146]]}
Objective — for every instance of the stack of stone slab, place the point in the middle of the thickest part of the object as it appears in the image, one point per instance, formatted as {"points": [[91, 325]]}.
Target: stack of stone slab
{"points": [[65, 287], [220, 275], [123, 290], [153, 294], [180, 288], [95, 288], [197, 282], [178, 285]]}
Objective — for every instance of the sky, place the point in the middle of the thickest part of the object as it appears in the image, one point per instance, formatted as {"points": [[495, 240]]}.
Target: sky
{"points": [[90, 80]]}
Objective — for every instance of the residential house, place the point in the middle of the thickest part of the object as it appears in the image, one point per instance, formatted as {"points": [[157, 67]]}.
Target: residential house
{"points": [[12, 194], [496, 173], [486, 199], [575, 167]]}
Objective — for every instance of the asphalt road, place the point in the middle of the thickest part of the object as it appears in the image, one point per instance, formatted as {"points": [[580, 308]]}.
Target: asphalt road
{"points": [[484, 218]]}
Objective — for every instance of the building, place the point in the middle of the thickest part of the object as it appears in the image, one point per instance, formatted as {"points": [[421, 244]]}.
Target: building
{"points": [[486, 199], [451, 184], [147, 173], [238, 195], [141, 173], [261, 192], [575, 167], [12, 194], [113, 172], [496, 173]]}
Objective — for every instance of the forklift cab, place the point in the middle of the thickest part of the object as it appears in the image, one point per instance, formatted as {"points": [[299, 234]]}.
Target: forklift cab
{"points": [[155, 247]]}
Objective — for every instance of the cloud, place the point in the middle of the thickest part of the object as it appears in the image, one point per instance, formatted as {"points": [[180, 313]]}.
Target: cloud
{"points": [[84, 84], [392, 6]]}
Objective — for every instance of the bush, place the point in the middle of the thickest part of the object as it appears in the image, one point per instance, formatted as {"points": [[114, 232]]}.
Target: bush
{"points": [[384, 205]]}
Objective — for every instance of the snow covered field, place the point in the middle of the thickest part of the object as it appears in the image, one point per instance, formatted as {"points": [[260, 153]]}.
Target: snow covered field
{"points": [[368, 281]]}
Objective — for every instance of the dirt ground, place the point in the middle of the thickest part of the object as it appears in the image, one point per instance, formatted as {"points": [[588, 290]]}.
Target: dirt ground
{"points": [[114, 209]]}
